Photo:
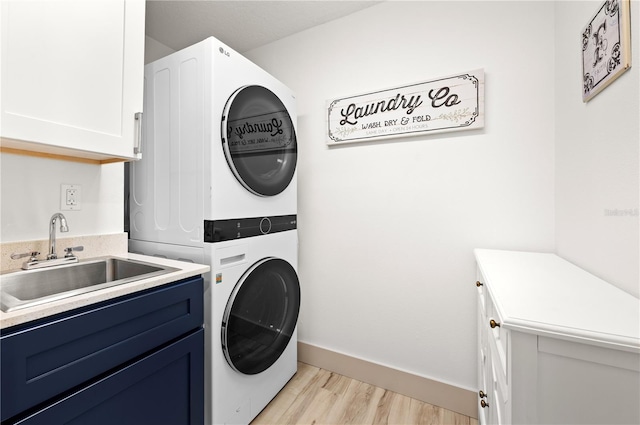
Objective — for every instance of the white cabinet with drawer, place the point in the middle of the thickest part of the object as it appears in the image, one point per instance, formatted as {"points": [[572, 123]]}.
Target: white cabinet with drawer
{"points": [[72, 77], [556, 345]]}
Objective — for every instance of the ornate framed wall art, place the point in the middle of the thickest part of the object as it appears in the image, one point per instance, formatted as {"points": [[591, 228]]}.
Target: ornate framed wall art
{"points": [[442, 105], [606, 47]]}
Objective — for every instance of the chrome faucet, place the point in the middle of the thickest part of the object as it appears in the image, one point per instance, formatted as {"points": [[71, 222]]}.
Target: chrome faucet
{"points": [[52, 233], [52, 258]]}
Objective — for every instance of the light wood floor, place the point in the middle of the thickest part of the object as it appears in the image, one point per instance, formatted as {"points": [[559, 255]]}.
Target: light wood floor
{"points": [[317, 396]]}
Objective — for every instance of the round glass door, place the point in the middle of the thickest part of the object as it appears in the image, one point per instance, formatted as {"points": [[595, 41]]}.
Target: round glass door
{"points": [[259, 140], [260, 316]]}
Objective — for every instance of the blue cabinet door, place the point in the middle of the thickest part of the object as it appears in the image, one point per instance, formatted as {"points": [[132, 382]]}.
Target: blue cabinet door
{"points": [[164, 387], [46, 360]]}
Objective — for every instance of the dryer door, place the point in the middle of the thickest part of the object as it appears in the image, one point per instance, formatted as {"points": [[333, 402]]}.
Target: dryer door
{"points": [[259, 140], [260, 316]]}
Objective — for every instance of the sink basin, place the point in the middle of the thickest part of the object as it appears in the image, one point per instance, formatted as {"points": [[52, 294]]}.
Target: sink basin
{"points": [[22, 289]]}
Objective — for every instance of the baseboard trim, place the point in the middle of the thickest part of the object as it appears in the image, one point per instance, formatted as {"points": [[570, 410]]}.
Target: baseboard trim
{"points": [[433, 392]]}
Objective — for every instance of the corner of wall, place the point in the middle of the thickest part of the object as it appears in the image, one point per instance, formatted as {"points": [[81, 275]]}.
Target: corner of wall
{"points": [[154, 50]]}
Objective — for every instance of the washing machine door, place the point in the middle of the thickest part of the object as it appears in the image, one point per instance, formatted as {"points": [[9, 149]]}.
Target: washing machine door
{"points": [[259, 140], [260, 316]]}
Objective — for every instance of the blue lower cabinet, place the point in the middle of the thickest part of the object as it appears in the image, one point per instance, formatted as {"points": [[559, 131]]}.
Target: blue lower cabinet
{"points": [[137, 360], [165, 387]]}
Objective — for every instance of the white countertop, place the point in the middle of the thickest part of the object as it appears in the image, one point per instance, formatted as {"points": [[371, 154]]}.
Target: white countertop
{"points": [[545, 294], [184, 271]]}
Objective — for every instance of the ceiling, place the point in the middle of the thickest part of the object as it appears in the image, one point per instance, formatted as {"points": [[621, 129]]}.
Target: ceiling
{"points": [[241, 24]]}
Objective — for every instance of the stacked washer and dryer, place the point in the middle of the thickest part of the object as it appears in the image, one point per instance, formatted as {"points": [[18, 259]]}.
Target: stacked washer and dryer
{"points": [[217, 186]]}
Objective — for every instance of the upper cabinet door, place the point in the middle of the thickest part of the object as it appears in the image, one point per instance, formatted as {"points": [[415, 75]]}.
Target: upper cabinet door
{"points": [[72, 76]]}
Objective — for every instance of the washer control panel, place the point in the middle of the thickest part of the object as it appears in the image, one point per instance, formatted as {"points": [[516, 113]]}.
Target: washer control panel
{"points": [[225, 230]]}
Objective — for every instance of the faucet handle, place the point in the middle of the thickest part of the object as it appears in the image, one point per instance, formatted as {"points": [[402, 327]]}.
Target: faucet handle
{"points": [[69, 251], [32, 254]]}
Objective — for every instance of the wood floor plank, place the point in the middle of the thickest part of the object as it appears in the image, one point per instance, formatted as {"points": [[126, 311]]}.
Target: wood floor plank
{"points": [[317, 396], [370, 399], [383, 409], [355, 402], [417, 413], [430, 415], [337, 384], [319, 409], [400, 410], [345, 410], [305, 398], [283, 407]]}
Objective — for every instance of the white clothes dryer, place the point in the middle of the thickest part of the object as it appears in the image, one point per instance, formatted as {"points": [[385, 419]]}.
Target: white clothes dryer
{"points": [[219, 142], [252, 300]]}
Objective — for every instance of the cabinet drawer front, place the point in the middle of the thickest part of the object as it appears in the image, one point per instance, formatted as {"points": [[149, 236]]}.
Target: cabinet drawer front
{"points": [[483, 351], [482, 293], [498, 398], [165, 387], [486, 313], [50, 358], [498, 335], [499, 377]]}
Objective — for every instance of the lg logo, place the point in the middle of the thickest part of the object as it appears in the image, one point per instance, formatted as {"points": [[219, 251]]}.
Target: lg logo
{"points": [[224, 52]]}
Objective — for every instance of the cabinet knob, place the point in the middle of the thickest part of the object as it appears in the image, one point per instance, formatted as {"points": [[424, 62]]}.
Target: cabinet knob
{"points": [[479, 284], [484, 404], [494, 324], [482, 394]]}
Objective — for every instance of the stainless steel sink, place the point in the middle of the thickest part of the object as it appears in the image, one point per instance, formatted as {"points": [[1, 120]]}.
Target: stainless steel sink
{"points": [[21, 289]]}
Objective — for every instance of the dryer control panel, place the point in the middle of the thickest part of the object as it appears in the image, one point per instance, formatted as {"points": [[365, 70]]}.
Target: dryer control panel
{"points": [[225, 230]]}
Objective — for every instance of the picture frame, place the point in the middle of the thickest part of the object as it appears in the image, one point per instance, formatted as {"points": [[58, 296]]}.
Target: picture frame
{"points": [[440, 105], [606, 47]]}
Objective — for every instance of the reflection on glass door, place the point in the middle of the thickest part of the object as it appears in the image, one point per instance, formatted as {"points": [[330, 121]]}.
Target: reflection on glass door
{"points": [[260, 316], [259, 140]]}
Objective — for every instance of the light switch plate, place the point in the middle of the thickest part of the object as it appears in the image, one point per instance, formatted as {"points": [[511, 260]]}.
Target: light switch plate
{"points": [[70, 197]]}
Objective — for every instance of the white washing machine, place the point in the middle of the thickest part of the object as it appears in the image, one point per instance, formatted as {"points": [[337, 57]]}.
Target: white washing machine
{"points": [[252, 300], [219, 142], [217, 185]]}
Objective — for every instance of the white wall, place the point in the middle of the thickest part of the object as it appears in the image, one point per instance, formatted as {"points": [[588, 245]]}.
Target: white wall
{"points": [[154, 50], [30, 193], [387, 229], [597, 157]]}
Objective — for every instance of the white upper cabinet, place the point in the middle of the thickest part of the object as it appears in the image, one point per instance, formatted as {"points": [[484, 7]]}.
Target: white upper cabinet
{"points": [[72, 77]]}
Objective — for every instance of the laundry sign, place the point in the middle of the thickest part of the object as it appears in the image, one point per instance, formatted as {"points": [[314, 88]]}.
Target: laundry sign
{"points": [[445, 104]]}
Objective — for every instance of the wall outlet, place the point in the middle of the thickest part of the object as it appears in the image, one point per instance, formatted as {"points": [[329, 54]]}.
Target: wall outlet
{"points": [[70, 197]]}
